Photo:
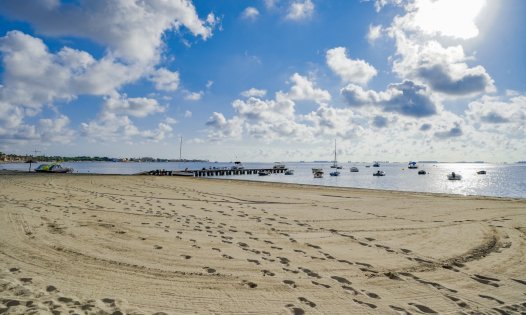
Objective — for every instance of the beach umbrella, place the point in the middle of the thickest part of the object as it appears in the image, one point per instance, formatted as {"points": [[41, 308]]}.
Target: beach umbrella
{"points": [[30, 161]]}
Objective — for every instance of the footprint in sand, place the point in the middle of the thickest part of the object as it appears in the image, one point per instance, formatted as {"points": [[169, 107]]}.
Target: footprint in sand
{"points": [[365, 303], [307, 302], [326, 286], [423, 308], [295, 310], [249, 284]]}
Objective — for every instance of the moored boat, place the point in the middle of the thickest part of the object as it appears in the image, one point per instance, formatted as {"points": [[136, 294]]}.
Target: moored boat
{"points": [[354, 169], [279, 166], [53, 168], [264, 173], [318, 174], [412, 165], [376, 164], [482, 172], [379, 173], [335, 173], [422, 172], [454, 176], [289, 172]]}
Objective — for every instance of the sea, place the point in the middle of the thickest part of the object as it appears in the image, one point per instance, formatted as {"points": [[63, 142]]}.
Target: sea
{"points": [[500, 180]]}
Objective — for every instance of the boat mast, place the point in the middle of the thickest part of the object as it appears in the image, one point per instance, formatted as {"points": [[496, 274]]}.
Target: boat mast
{"points": [[180, 148], [335, 152]]}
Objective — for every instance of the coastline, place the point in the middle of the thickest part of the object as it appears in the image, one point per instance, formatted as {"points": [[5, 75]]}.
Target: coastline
{"points": [[144, 244]]}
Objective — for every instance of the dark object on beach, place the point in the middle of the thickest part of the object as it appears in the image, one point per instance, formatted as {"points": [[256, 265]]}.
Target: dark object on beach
{"points": [[30, 161], [481, 172]]}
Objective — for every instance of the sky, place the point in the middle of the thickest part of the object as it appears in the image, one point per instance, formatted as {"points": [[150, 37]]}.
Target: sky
{"points": [[265, 80]]}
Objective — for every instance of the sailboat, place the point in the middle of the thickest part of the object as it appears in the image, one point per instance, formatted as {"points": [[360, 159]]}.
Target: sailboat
{"points": [[186, 172], [335, 162]]}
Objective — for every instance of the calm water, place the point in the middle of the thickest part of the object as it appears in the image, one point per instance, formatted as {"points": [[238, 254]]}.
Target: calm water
{"points": [[502, 180]]}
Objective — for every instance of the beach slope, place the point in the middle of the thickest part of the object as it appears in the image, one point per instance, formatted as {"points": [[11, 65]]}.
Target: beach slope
{"points": [[139, 244]]}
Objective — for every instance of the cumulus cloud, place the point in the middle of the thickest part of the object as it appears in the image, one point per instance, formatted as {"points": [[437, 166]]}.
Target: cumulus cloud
{"points": [[446, 17], [250, 13], [494, 110], [303, 89], [300, 10], [406, 98], [269, 119], [421, 57], [375, 31], [131, 33], [455, 131], [254, 92], [119, 25], [193, 96], [349, 70], [220, 127], [165, 80], [137, 107]]}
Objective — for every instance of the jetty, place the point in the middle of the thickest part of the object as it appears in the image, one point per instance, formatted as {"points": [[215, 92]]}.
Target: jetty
{"points": [[214, 172]]}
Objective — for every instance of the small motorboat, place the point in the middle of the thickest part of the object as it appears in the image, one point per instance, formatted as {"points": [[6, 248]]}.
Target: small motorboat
{"points": [[53, 168], [318, 174], [314, 170], [481, 172], [376, 164], [279, 166], [264, 173], [354, 169], [335, 173], [412, 165], [367, 165], [379, 173], [422, 172], [289, 172], [454, 176]]}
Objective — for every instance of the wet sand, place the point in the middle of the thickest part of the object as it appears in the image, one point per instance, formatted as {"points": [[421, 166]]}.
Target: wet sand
{"points": [[142, 245]]}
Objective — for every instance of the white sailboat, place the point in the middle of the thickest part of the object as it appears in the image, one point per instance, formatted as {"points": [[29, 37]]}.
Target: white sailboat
{"points": [[186, 172], [335, 162]]}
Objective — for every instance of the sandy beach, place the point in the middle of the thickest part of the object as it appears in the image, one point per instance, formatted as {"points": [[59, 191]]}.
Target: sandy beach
{"points": [[92, 244]]}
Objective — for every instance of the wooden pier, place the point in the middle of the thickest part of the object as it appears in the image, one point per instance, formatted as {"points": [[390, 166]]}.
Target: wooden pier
{"points": [[214, 172]]}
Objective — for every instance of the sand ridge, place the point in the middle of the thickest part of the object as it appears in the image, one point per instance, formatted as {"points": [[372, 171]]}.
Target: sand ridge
{"points": [[143, 245]]}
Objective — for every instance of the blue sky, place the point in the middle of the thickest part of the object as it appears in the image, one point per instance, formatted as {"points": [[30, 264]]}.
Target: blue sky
{"points": [[265, 80]]}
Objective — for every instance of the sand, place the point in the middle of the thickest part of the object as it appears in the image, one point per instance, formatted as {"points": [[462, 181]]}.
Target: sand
{"points": [[142, 245]]}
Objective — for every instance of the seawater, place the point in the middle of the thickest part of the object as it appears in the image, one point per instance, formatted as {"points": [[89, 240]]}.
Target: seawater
{"points": [[501, 180]]}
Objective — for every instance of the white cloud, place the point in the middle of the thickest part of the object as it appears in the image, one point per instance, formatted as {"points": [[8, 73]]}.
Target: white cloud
{"points": [[421, 57], [300, 10], [250, 13], [221, 128], [137, 107], [130, 29], [28, 67], [446, 17], [379, 4], [303, 89], [375, 32], [193, 96], [187, 114], [165, 80], [349, 70], [504, 113], [407, 98], [254, 92]]}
